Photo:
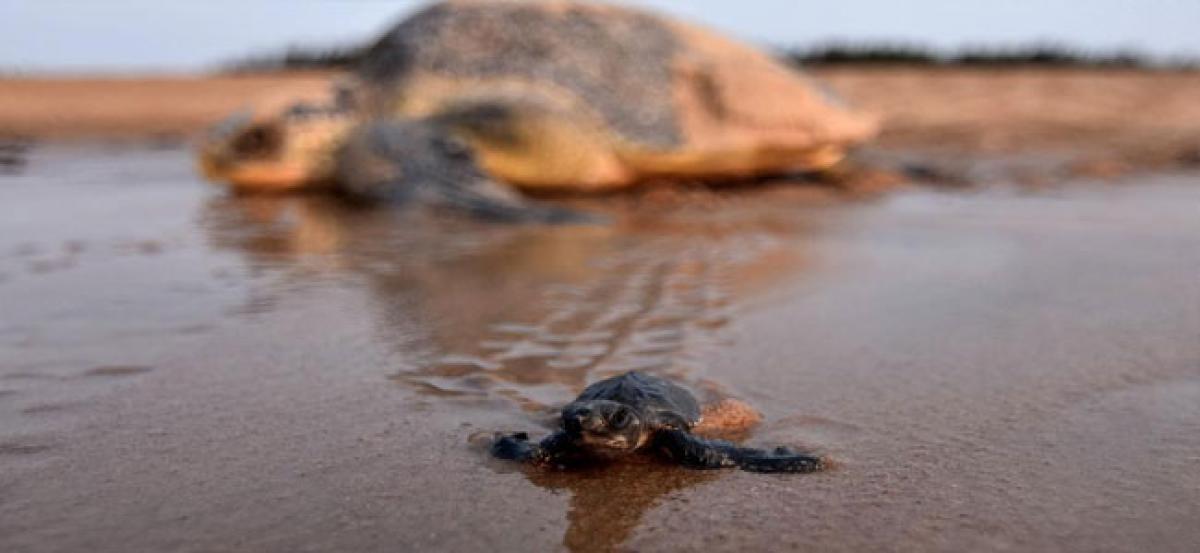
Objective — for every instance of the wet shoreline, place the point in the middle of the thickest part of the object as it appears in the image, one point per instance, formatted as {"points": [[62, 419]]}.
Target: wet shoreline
{"points": [[997, 368]]}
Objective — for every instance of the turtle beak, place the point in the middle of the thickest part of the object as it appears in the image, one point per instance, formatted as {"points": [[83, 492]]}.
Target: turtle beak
{"points": [[214, 148], [227, 127]]}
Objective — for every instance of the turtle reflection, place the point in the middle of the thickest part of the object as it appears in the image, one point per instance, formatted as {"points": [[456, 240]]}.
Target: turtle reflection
{"points": [[599, 521], [529, 313]]}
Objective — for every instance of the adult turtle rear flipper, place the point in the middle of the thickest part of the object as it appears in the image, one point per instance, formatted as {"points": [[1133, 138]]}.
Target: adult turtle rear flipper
{"points": [[694, 452], [412, 161]]}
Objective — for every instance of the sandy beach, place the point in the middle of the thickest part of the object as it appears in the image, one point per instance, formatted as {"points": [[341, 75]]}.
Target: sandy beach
{"points": [[991, 368], [1140, 114]]}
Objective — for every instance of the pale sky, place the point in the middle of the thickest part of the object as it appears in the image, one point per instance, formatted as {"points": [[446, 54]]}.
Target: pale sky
{"points": [[185, 35]]}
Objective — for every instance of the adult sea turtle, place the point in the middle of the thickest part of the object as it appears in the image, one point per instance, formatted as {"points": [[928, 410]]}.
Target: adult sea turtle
{"points": [[465, 102]]}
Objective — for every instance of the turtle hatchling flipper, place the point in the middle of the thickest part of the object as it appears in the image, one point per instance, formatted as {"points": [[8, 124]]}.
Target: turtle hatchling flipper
{"points": [[398, 161], [779, 460], [552, 451], [694, 452]]}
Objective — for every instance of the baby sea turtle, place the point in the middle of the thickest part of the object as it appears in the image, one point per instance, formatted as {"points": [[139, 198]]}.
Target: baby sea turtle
{"points": [[640, 413], [463, 102]]}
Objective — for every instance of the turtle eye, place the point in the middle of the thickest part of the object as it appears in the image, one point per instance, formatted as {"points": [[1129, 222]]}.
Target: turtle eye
{"points": [[258, 140], [620, 419]]}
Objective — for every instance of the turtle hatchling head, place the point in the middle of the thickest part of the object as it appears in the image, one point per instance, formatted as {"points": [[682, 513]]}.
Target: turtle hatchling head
{"points": [[281, 145], [604, 428]]}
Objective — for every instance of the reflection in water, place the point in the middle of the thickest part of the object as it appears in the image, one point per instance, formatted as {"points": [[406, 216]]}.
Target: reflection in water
{"points": [[608, 503], [528, 313], [533, 313]]}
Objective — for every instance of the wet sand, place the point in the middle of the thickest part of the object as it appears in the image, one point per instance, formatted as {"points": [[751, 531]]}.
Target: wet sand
{"points": [[996, 369]]}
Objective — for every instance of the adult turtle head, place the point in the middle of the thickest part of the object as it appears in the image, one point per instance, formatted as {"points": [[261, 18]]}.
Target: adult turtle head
{"points": [[284, 143]]}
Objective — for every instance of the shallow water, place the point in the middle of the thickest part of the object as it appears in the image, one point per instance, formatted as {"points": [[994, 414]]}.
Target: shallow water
{"points": [[990, 370]]}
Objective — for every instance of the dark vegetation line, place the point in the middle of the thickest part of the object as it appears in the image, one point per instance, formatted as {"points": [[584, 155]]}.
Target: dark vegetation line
{"points": [[1037, 55], [833, 54], [297, 58]]}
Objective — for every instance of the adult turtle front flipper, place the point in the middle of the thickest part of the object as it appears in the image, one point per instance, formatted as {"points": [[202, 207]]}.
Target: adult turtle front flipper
{"points": [[695, 452], [414, 161]]}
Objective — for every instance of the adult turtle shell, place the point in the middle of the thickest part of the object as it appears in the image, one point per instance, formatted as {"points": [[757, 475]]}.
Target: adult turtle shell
{"points": [[540, 95]]}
